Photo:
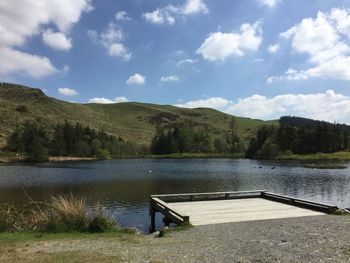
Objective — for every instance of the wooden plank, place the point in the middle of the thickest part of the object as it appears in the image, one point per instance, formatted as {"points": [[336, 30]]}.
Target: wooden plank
{"points": [[210, 212], [224, 207], [300, 202]]}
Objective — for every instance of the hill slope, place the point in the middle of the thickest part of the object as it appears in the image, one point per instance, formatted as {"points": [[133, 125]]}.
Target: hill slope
{"points": [[130, 120]]}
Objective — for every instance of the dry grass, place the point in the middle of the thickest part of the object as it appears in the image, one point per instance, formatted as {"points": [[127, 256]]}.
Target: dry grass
{"points": [[62, 213]]}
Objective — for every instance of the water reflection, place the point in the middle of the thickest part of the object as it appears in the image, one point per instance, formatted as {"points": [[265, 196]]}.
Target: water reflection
{"points": [[124, 186]]}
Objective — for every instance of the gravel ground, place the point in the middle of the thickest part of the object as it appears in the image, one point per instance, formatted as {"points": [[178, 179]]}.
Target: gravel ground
{"points": [[306, 239]]}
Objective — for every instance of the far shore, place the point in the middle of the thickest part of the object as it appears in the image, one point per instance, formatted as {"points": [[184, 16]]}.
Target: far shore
{"points": [[315, 157]]}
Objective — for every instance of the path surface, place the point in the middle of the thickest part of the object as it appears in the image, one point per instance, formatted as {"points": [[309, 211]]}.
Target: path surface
{"points": [[237, 210], [303, 239]]}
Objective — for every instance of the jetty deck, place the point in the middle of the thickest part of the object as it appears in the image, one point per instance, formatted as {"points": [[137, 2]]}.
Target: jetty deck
{"points": [[226, 207]]}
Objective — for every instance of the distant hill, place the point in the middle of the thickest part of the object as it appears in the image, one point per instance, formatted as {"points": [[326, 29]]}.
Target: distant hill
{"points": [[131, 120]]}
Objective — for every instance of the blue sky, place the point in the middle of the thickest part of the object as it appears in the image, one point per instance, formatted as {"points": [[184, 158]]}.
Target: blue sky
{"points": [[254, 58]]}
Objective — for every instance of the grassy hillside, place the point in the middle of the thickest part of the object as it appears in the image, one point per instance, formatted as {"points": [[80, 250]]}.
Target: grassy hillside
{"points": [[131, 120]]}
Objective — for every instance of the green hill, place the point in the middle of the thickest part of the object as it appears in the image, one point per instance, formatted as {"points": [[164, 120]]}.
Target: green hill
{"points": [[131, 120]]}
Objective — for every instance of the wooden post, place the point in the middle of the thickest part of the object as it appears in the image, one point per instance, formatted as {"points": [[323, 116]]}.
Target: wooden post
{"points": [[152, 214]]}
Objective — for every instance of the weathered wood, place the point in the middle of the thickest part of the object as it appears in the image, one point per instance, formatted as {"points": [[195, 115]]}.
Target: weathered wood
{"points": [[164, 208], [208, 196], [224, 207], [327, 208]]}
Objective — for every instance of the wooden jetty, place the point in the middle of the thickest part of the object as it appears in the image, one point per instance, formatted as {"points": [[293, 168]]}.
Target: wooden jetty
{"points": [[225, 207]]}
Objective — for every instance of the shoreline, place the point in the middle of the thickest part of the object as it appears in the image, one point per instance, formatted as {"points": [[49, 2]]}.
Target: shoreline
{"points": [[317, 157], [276, 240]]}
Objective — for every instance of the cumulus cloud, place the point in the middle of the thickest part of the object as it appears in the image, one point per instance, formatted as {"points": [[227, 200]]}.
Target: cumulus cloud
{"points": [[273, 48], [111, 39], [136, 79], [171, 78], [219, 46], [328, 106], [324, 40], [169, 14], [269, 3], [122, 16], [57, 40], [159, 16], [108, 101], [67, 92], [213, 102], [15, 61], [22, 19]]}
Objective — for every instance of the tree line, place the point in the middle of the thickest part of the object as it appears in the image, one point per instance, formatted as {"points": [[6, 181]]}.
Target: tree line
{"points": [[38, 141], [190, 139], [292, 136]]}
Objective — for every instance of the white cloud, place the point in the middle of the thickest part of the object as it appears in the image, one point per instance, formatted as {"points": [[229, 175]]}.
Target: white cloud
{"points": [[136, 79], [171, 78], [15, 61], [108, 101], [269, 3], [119, 50], [327, 106], [22, 19], [193, 7], [324, 40], [159, 16], [187, 61], [213, 102], [218, 46], [57, 40], [111, 39], [273, 48], [169, 13], [67, 92], [122, 16]]}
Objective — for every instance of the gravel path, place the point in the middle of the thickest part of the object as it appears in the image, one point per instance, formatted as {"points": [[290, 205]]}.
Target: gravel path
{"points": [[306, 239]]}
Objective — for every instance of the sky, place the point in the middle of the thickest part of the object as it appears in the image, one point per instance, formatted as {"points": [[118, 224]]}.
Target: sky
{"points": [[253, 58]]}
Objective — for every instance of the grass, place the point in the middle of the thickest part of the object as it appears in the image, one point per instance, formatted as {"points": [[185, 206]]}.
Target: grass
{"points": [[131, 121], [337, 156], [325, 166], [18, 247], [62, 213]]}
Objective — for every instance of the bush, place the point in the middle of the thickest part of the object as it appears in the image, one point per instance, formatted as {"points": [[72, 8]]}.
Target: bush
{"points": [[100, 221], [22, 108], [69, 211]]}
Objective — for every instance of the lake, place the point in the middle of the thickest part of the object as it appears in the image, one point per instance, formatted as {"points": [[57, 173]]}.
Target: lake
{"points": [[123, 186]]}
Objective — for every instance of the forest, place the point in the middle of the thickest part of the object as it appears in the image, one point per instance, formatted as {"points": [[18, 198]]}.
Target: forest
{"points": [[39, 141], [186, 139], [293, 135], [296, 135]]}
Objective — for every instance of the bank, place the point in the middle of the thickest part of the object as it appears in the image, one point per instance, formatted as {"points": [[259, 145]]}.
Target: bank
{"points": [[305, 239]]}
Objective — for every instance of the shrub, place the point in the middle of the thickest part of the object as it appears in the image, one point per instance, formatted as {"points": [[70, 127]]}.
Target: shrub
{"points": [[22, 108], [62, 213], [100, 221], [69, 211], [5, 217]]}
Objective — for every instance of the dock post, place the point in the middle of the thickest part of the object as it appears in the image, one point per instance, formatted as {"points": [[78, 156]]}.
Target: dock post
{"points": [[152, 214]]}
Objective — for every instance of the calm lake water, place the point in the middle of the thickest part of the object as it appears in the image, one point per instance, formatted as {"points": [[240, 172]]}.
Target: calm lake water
{"points": [[124, 186]]}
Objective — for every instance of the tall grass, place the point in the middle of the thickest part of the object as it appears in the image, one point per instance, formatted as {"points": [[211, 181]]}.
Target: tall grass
{"points": [[61, 214]]}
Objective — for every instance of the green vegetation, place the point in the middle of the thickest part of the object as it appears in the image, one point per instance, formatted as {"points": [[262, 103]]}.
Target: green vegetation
{"points": [[186, 139], [298, 136], [341, 212], [135, 122], [336, 156], [38, 141], [60, 214], [325, 166]]}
